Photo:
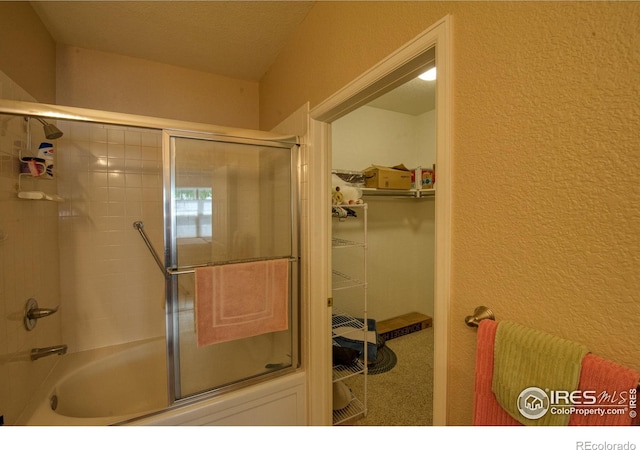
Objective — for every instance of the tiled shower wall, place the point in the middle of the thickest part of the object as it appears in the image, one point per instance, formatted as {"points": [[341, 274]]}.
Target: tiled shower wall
{"points": [[111, 289], [28, 263]]}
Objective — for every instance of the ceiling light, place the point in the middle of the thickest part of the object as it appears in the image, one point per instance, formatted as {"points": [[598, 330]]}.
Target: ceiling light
{"points": [[429, 75]]}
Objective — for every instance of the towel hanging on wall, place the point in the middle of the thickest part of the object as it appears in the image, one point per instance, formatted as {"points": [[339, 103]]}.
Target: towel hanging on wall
{"points": [[612, 385], [236, 301], [486, 409], [526, 360]]}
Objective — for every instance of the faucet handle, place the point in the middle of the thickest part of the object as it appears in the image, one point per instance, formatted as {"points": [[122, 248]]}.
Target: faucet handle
{"points": [[32, 313], [39, 313]]}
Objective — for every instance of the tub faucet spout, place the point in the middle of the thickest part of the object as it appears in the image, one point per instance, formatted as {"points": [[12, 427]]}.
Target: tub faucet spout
{"points": [[37, 353]]}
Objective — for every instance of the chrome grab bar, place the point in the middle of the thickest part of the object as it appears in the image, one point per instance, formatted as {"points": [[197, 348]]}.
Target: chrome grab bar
{"points": [[37, 353], [139, 226]]}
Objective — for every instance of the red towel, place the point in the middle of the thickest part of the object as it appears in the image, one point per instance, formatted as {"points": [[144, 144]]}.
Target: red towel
{"points": [[486, 409], [613, 386]]}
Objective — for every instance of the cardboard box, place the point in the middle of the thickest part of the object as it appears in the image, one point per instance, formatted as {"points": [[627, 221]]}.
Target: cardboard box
{"points": [[422, 178], [405, 324], [387, 178]]}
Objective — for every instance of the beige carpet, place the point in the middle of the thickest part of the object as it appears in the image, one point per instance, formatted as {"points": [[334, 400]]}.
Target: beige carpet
{"points": [[404, 395]]}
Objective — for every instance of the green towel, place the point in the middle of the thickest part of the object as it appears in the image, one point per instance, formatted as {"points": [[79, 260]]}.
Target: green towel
{"points": [[526, 358]]}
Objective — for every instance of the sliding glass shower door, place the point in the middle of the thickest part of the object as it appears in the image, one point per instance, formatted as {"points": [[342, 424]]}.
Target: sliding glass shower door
{"points": [[228, 202]]}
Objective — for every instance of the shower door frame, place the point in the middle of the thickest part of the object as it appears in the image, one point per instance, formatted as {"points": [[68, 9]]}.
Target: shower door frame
{"points": [[178, 127], [174, 393]]}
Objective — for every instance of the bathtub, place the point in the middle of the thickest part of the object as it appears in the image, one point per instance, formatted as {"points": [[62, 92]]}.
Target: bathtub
{"points": [[126, 384], [103, 386]]}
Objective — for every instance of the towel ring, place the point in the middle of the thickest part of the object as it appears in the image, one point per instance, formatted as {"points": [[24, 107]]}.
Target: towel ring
{"points": [[480, 313]]}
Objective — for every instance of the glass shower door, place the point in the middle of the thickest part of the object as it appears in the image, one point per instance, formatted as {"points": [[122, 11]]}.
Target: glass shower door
{"points": [[227, 202]]}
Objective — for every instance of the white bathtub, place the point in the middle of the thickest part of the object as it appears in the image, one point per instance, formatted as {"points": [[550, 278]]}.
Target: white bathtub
{"points": [[104, 386], [127, 384]]}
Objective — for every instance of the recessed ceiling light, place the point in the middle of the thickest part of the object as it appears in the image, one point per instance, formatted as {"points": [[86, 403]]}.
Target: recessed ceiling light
{"points": [[429, 75]]}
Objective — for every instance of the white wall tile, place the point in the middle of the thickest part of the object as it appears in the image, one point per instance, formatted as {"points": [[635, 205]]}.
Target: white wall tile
{"points": [[28, 263], [101, 247]]}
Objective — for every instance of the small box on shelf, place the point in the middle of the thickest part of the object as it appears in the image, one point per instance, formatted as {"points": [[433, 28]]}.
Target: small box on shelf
{"points": [[422, 178], [387, 178]]}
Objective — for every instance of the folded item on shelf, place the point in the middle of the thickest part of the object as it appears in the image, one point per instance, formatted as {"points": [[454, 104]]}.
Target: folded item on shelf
{"points": [[344, 356], [344, 337]]}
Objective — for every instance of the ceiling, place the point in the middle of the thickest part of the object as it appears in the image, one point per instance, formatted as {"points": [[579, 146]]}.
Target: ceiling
{"points": [[414, 97], [237, 39]]}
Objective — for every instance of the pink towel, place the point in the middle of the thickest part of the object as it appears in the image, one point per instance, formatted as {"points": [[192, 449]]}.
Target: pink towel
{"points": [[486, 409], [236, 301], [613, 385]]}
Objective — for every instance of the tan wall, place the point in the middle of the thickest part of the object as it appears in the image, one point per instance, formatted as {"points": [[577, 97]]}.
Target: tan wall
{"points": [[110, 82], [27, 51], [546, 125]]}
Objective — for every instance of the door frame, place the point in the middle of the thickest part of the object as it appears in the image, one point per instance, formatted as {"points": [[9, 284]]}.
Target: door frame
{"points": [[405, 63]]}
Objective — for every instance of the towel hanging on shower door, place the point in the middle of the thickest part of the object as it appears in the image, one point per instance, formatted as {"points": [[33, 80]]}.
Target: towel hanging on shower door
{"points": [[236, 301]]}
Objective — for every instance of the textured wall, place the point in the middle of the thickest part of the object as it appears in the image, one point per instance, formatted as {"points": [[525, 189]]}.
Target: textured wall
{"points": [[547, 231], [546, 125]]}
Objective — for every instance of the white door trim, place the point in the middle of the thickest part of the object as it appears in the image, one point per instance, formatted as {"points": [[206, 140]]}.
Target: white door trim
{"points": [[405, 63]]}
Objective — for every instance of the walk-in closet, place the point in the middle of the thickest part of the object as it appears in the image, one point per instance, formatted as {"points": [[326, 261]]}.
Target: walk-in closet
{"points": [[397, 129]]}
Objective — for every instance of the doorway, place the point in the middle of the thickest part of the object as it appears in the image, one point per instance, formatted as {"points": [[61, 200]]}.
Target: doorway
{"points": [[396, 129], [403, 65]]}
